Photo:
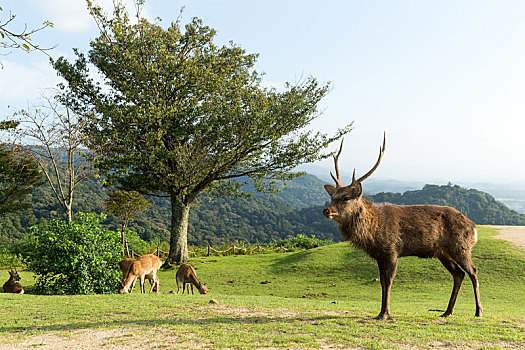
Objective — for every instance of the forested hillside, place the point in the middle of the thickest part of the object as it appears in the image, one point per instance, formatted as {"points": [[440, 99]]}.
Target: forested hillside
{"points": [[260, 218], [478, 206], [297, 209]]}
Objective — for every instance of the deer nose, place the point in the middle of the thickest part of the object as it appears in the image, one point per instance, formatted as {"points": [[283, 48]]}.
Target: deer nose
{"points": [[326, 212]]}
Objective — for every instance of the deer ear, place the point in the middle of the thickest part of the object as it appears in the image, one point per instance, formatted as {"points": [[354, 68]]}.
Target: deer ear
{"points": [[358, 190], [330, 189]]}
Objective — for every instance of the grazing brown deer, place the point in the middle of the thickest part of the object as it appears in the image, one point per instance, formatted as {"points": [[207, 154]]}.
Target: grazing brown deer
{"points": [[186, 275], [124, 266], [387, 232], [145, 266], [12, 286]]}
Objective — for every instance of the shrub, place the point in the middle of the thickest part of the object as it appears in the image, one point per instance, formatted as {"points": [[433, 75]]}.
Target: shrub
{"points": [[302, 242], [80, 257]]}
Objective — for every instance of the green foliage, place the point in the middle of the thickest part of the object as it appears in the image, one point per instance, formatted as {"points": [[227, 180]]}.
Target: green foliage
{"points": [[9, 259], [301, 241], [19, 175], [73, 258], [126, 205], [478, 206], [137, 244]]}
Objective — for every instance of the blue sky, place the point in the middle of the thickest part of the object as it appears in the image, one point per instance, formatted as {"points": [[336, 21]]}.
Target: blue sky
{"points": [[445, 79]]}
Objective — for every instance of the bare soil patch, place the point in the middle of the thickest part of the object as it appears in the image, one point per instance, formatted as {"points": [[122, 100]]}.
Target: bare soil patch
{"points": [[513, 234]]}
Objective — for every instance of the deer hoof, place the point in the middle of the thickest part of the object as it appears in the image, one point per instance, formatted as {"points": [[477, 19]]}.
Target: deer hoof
{"points": [[446, 314]]}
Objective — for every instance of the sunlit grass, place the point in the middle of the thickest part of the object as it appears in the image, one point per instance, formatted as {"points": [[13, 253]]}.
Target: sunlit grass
{"points": [[323, 297]]}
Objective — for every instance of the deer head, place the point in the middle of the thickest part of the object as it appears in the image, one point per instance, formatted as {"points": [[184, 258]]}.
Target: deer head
{"points": [[345, 198], [14, 275], [203, 289]]}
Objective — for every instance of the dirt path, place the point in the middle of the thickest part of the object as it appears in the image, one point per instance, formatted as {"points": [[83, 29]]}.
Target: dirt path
{"points": [[514, 234]]}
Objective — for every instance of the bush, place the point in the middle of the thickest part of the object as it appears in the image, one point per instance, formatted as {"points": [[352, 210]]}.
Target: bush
{"points": [[80, 257], [8, 259], [302, 242]]}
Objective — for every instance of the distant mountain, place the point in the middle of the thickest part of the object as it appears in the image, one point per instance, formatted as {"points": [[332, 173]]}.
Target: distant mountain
{"points": [[297, 208], [510, 194], [479, 206]]}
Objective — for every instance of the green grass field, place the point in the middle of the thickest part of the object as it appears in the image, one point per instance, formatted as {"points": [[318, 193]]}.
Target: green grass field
{"points": [[319, 298]]}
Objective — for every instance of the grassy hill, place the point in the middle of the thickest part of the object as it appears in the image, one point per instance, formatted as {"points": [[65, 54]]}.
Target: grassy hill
{"points": [[319, 298]]}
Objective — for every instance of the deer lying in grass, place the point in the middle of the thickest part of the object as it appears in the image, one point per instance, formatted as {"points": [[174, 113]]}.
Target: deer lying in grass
{"points": [[12, 286], [186, 275], [144, 267], [124, 266], [387, 232]]}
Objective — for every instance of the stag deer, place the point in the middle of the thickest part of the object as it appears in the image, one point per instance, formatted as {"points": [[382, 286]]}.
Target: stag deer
{"points": [[144, 267], [12, 286], [124, 266], [186, 275], [387, 232]]}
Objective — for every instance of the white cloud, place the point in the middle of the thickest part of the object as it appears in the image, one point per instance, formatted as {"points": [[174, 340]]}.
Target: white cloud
{"points": [[24, 83], [73, 16]]}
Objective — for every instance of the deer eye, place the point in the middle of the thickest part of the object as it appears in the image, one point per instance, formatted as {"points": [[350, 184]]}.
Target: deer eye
{"points": [[347, 198]]}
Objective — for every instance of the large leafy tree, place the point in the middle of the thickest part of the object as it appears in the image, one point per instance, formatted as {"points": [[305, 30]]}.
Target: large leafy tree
{"points": [[177, 115]]}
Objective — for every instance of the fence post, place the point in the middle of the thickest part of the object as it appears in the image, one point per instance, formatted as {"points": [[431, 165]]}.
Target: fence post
{"points": [[158, 253], [209, 249]]}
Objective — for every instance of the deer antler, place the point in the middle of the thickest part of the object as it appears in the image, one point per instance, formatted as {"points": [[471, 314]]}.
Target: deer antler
{"points": [[381, 153], [336, 160]]}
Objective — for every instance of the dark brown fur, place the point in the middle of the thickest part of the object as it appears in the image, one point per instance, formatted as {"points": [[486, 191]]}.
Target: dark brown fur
{"points": [[12, 286], [387, 232], [186, 275]]}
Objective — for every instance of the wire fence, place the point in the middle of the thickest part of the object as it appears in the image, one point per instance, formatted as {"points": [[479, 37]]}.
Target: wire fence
{"points": [[210, 251]]}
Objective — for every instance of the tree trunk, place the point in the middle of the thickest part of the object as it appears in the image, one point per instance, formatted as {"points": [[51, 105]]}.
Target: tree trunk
{"points": [[179, 232], [69, 212], [123, 239]]}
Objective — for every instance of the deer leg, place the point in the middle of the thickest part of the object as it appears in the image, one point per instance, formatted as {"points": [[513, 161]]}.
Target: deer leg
{"points": [[132, 285], [191, 285], [157, 286], [153, 282], [387, 272], [467, 265], [142, 284], [458, 275]]}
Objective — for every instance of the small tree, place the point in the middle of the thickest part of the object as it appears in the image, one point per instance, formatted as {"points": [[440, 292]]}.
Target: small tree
{"points": [[125, 205], [56, 144], [78, 257], [178, 115]]}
